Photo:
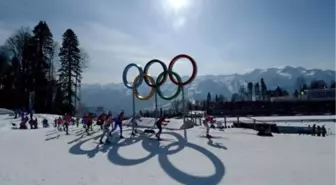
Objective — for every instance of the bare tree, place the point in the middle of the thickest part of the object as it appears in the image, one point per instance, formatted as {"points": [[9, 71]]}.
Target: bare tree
{"points": [[54, 63], [85, 58], [17, 42], [84, 62], [4, 59], [176, 104]]}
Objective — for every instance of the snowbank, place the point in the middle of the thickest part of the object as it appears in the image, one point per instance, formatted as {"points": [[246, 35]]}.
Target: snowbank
{"points": [[4, 111]]}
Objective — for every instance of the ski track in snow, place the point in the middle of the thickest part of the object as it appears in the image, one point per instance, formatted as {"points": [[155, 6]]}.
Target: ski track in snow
{"points": [[236, 156]]}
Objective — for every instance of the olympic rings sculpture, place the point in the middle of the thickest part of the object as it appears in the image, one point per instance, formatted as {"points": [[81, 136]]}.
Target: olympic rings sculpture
{"points": [[161, 79], [162, 152]]}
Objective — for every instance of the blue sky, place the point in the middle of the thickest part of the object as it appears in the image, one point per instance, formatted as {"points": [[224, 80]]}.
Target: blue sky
{"points": [[223, 36]]}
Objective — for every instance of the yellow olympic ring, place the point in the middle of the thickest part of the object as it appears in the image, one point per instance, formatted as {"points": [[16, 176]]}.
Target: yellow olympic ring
{"points": [[135, 91]]}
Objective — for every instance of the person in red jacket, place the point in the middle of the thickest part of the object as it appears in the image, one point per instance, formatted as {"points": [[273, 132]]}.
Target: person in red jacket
{"points": [[59, 123], [207, 120], [67, 120], [89, 123], [84, 121]]}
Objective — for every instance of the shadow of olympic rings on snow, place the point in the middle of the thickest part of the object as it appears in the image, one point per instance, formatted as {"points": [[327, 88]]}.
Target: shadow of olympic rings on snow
{"points": [[154, 149]]}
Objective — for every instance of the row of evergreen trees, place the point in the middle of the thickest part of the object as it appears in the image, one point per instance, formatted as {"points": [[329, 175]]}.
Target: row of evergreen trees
{"points": [[36, 73], [261, 92]]}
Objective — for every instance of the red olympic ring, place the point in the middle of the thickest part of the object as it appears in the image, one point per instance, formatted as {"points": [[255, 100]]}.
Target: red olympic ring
{"points": [[171, 65]]}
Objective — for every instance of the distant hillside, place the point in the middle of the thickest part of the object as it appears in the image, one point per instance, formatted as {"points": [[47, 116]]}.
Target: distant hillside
{"points": [[116, 97]]}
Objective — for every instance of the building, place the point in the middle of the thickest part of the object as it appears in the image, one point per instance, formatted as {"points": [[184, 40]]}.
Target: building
{"points": [[283, 98], [319, 94]]}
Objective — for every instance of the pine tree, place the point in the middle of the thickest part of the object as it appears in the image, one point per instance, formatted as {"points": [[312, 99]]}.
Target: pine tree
{"points": [[250, 90], [257, 91], [332, 84], [28, 69], [43, 45], [221, 98], [216, 98], [58, 100], [208, 97], [70, 69], [235, 97], [263, 89]]}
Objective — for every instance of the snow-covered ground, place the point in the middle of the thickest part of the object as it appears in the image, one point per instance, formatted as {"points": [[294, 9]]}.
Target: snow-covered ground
{"points": [[235, 156]]}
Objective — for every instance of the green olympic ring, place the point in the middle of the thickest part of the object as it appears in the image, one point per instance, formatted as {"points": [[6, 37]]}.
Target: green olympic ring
{"points": [[179, 88]]}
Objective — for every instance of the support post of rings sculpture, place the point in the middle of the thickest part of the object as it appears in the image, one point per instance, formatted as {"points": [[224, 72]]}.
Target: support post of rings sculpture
{"points": [[161, 79]]}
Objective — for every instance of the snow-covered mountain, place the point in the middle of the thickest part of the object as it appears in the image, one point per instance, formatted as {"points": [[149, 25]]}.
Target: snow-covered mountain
{"points": [[116, 96]]}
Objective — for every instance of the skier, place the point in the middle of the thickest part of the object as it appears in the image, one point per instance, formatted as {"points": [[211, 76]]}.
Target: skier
{"points": [[84, 121], [109, 116], [31, 123], [101, 119], [159, 124], [89, 123], [77, 121], [59, 122], [209, 119], [323, 131], [205, 123], [67, 120], [118, 122], [318, 131], [23, 123], [134, 123], [314, 130], [22, 115], [45, 123], [106, 129]]}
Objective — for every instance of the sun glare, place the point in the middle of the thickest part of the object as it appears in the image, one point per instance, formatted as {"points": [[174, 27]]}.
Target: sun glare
{"points": [[177, 4], [176, 12]]}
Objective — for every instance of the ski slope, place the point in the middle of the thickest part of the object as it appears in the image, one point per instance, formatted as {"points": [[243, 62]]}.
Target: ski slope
{"points": [[235, 156]]}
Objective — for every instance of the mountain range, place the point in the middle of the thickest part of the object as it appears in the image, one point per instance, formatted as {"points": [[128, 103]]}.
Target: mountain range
{"points": [[116, 97]]}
